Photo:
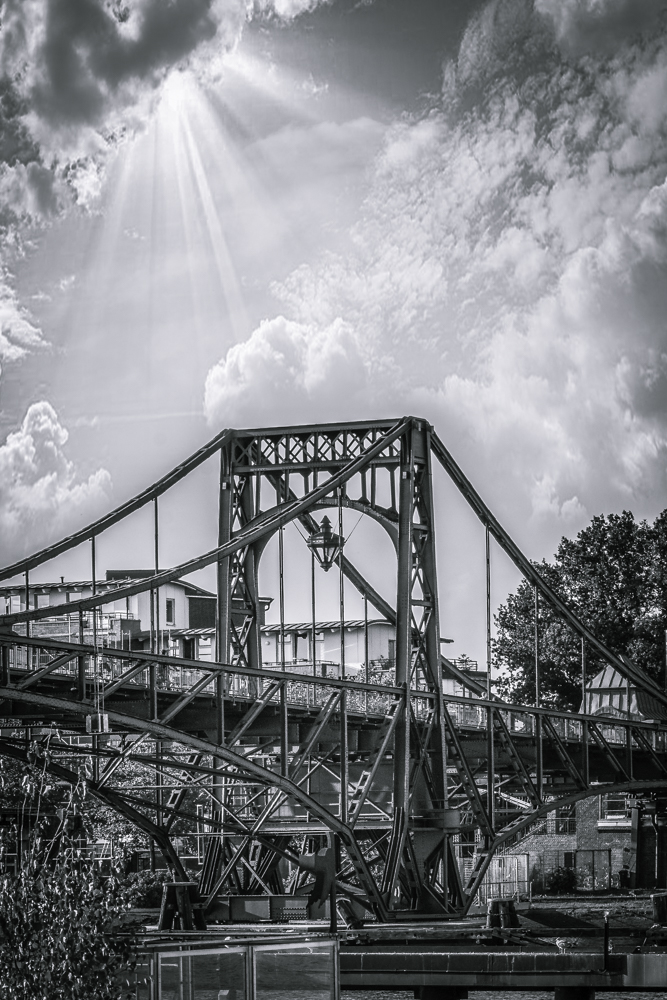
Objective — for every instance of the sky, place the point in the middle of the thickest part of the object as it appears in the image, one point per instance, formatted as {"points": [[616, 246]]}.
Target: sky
{"points": [[217, 213]]}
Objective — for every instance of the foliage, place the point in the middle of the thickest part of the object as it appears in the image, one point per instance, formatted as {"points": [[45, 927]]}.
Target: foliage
{"points": [[145, 888], [59, 932], [561, 881], [614, 577]]}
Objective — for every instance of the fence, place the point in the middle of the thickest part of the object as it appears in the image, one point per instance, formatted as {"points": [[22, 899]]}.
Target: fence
{"points": [[506, 878], [246, 969], [106, 669]]}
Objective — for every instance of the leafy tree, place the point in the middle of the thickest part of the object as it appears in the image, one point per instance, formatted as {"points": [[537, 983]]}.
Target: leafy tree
{"points": [[60, 932], [614, 577], [60, 920]]}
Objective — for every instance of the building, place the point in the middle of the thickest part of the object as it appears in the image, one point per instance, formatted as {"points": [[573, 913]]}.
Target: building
{"points": [[125, 623], [606, 841], [371, 642], [293, 644]]}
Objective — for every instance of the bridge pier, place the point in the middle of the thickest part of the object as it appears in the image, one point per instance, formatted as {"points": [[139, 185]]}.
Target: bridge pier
{"points": [[574, 993]]}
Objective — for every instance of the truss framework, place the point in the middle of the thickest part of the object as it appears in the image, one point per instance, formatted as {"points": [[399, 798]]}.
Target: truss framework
{"points": [[395, 772]]}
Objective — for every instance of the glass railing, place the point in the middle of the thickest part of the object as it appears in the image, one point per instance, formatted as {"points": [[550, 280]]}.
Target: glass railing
{"points": [[246, 969]]}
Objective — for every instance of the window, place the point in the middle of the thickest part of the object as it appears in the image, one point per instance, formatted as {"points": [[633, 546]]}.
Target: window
{"points": [[614, 811], [171, 611]]}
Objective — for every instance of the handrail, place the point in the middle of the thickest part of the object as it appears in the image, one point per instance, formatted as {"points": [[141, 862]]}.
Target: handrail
{"points": [[215, 667]]}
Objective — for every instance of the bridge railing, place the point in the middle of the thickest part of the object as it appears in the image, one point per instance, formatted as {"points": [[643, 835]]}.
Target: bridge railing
{"points": [[108, 665]]}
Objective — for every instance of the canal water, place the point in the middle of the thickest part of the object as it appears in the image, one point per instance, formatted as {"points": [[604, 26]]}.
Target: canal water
{"points": [[487, 995]]}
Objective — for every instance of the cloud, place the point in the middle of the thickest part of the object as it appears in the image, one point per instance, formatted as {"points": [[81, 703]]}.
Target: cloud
{"points": [[18, 336], [600, 25], [287, 9], [508, 275], [287, 368], [83, 63], [80, 76], [41, 496]]}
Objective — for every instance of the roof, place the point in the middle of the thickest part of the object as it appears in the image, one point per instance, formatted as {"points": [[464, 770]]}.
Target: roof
{"points": [[67, 585], [190, 632], [609, 680], [320, 626], [113, 579], [306, 627], [117, 575]]}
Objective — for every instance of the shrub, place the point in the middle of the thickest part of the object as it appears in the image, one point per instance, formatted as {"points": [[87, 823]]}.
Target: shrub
{"points": [[561, 880], [60, 935], [145, 888]]}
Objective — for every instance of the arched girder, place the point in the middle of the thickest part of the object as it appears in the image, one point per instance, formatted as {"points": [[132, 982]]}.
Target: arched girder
{"points": [[113, 800], [353, 575], [244, 766], [648, 785], [341, 452]]}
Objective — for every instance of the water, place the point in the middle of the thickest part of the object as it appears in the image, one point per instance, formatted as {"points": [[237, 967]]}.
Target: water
{"points": [[487, 995]]}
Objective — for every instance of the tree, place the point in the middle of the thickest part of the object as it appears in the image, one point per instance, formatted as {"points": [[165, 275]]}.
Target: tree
{"points": [[60, 933], [614, 577]]}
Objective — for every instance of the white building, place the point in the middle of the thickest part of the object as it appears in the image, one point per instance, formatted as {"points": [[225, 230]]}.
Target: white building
{"points": [[119, 623]]}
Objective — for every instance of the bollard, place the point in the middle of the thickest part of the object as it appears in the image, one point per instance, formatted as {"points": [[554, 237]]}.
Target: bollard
{"points": [[659, 900], [501, 913]]}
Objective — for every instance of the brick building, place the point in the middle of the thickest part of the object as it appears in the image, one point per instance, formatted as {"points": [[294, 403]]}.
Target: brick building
{"points": [[610, 841]]}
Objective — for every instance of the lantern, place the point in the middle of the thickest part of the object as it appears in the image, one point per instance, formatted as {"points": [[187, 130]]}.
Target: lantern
{"points": [[326, 544]]}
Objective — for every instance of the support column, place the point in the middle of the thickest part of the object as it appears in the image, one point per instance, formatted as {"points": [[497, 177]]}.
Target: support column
{"points": [[344, 762], [539, 757], [403, 650], [4, 666], [222, 621], [81, 665], [490, 748], [661, 849], [284, 722], [585, 770]]}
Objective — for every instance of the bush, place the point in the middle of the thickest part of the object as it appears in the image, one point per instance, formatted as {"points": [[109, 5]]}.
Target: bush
{"points": [[561, 880], [145, 888], [59, 933]]}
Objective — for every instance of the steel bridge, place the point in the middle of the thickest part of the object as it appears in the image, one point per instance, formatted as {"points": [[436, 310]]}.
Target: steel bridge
{"points": [[391, 774]]}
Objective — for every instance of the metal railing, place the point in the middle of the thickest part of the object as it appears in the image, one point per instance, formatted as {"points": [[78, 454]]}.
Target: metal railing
{"points": [[109, 664], [258, 968]]}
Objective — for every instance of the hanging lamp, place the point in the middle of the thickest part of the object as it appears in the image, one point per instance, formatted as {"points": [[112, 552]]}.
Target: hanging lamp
{"points": [[325, 544]]}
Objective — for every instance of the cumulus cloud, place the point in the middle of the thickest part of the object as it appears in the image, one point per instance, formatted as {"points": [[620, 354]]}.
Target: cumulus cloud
{"points": [[287, 368], [17, 333], [41, 496], [600, 25], [78, 77], [508, 276], [287, 9]]}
